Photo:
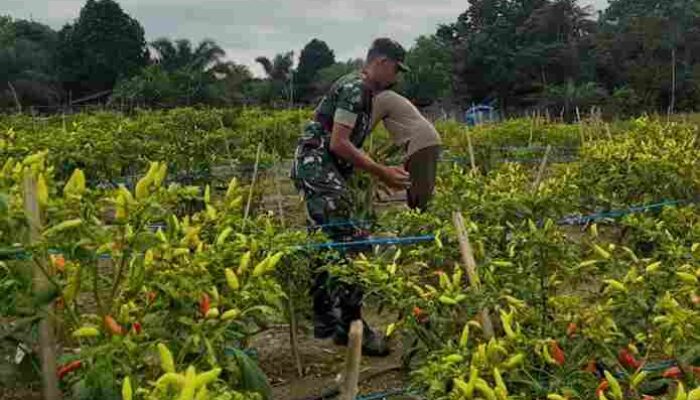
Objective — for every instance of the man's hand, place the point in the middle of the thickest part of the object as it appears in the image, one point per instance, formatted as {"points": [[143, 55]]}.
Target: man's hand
{"points": [[395, 177]]}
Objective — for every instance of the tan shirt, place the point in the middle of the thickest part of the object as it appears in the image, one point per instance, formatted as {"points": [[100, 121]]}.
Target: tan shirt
{"points": [[406, 126]]}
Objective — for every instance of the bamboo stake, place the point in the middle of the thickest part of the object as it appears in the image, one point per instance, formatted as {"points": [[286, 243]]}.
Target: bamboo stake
{"points": [[540, 171], [469, 262], [252, 184], [280, 207], [471, 150], [580, 126], [41, 284], [672, 105], [14, 95], [352, 363], [293, 326]]}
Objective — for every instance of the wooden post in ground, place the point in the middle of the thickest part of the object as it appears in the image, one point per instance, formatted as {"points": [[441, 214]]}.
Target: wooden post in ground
{"points": [[352, 363], [40, 283], [15, 97], [252, 184], [580, 126], [540, 171], [293, 325], [471, 150], [465, 249]]}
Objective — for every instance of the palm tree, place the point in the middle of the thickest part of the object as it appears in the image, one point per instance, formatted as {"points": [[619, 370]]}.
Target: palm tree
{"points": [[280, 68], [180, 55], [278, 71]]}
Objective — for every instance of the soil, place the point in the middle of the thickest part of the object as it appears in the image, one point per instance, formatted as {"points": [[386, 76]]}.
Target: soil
{"points": [[322, 362]]}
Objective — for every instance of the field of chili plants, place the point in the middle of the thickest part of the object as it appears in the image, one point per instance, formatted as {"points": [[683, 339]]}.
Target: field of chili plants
{"points": [[156, 269]]}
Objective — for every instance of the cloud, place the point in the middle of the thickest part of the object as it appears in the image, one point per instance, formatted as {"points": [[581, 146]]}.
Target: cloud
{"points": [[251, 28]]}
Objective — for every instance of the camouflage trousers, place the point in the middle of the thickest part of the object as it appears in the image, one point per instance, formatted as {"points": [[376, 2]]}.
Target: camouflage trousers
{"points": [[328, 201], [329, 207]]}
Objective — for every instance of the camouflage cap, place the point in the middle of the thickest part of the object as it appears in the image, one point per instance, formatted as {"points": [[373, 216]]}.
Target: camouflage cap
{"points": [[390, 49]]}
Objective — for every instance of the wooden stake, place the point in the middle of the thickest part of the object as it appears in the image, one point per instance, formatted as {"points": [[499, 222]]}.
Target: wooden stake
{"points": [[40, 282], [471, 150], [293, 326], [352, 363], [293, 337], [469, 262], [672, 105], [580, 126], [252, 184], [14, 95], [280, 207], [540, 171]]}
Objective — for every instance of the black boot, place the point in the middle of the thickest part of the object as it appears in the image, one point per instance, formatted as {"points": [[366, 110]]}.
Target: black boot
{"points": [[373, 343], [348, 299], [325, 320]]}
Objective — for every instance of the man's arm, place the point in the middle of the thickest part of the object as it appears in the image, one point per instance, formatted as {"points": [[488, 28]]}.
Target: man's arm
{"points": [[342, 147]]}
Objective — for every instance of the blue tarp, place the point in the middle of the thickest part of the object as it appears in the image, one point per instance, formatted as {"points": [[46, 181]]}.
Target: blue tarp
{"points": [[480, 114]]}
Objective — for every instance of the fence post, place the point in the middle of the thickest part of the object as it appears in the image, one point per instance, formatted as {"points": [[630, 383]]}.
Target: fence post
{"points": [[352, 363], [252, 184], [465, 249], [40, 283]]}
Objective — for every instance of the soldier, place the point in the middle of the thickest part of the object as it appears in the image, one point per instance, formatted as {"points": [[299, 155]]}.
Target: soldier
{"points": [[326, 155]]}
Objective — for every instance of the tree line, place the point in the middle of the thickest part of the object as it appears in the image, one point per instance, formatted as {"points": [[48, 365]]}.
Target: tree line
{"points": [[634, 56]]}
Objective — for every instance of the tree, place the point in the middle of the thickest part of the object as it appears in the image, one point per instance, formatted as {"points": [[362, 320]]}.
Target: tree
{"points": [[512, 49], [327, 76], [430, 78], [102, 46], [7, 31], [27, 63], [278, 71], [650, 47], [315, 56], [179, 55]]}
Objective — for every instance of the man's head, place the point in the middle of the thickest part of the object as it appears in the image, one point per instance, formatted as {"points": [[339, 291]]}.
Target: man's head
{"points": [[384, 61]]}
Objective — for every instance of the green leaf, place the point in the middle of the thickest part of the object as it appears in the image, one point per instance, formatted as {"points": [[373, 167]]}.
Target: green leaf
{"points": [[252, 377]]}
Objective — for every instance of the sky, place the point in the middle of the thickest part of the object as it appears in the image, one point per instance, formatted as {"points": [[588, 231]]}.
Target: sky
{"points": [[246, 29]]}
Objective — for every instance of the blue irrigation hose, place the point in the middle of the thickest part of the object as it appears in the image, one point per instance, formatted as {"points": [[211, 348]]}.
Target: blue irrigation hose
{"points": [[383, 395], [368, 242], [583, 220]]}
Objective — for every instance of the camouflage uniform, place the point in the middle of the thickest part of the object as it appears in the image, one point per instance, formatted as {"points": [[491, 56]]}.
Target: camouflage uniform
{"points": [[322, 178], [319, 174]]}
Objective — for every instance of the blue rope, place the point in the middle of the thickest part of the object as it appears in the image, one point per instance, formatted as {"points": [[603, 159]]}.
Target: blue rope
{"points": [[367, 242], [583, 220], [382, 395]]}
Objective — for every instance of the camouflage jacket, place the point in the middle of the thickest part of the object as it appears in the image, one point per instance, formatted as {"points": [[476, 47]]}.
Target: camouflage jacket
{"points": [[347, 102]]}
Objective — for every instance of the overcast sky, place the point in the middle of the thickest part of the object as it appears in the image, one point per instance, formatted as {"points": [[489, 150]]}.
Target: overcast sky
{"points": [[247, 29]]}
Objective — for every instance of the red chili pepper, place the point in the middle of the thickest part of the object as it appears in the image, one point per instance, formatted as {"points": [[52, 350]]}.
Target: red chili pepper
{"points": [[113, 326], [673, 373], [695, 299], [151, 296], [136, 326], [58, 262], [696, 372], [420, 315], [627, 360], [571, 329], [603, 386], [68, 368], [204, 304], [557, 352], [591, 367]]}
